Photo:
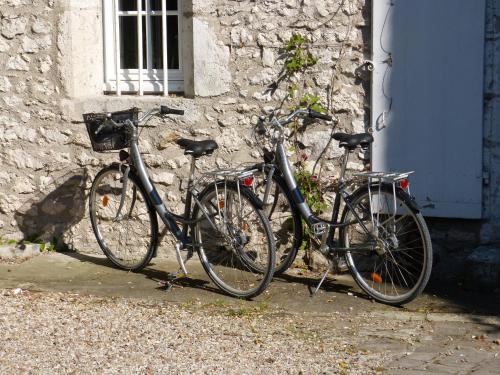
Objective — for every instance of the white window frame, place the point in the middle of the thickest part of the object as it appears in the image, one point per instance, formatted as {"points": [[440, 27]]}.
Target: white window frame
{"points": [[129, 80]]}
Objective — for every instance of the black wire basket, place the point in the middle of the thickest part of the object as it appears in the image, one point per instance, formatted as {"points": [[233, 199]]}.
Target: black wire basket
{"points": [[109, 138]]}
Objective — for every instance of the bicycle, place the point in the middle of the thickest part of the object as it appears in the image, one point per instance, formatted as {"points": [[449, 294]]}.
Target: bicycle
{"points": [[382, 235], [223, 220]]}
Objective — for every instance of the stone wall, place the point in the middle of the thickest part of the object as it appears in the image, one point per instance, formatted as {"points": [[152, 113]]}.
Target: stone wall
{"points": [[34, 142], [47, 162]]}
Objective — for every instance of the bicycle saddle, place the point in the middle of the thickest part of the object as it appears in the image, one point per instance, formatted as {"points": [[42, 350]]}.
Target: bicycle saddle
{"points": [[351, 141], [197, 148]]}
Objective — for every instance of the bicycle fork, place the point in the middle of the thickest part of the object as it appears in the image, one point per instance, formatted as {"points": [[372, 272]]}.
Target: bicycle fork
{"points": [[124, 177]]}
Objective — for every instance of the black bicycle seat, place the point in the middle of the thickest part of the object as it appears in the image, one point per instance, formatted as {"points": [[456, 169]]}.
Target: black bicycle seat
{"points": [[197, 148], [351, 141]]}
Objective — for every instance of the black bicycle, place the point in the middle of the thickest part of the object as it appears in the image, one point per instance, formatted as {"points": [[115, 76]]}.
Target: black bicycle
{"points": [[382, 235], [223, 220]]}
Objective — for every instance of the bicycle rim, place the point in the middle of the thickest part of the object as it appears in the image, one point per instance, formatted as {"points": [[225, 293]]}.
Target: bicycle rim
{"points": [[130, 238], [394, 265], [235, 241]]}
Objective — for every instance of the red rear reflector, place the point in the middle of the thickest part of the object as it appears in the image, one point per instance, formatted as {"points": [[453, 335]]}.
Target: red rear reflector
{"points": [[404, 184], [248, 182]]}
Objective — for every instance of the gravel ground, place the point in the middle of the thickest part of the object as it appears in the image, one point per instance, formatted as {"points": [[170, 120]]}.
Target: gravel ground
{"points": [[68, 333]]}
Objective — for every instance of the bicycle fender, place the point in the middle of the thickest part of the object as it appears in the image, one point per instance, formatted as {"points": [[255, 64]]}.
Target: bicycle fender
{"points": [[403, 195], [253, 197]]}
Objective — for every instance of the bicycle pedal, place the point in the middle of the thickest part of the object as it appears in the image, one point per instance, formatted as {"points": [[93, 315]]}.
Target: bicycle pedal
{"points": [[319, 228], [170, 277], [169, 285]]}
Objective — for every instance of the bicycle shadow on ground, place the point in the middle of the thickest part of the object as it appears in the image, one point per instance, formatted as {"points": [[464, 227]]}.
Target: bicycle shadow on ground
{"points": [[49, 215], [162, 278], [332, 284]]}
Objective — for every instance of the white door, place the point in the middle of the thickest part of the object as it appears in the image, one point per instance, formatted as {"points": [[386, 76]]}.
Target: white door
{"points": [[427, 100]]}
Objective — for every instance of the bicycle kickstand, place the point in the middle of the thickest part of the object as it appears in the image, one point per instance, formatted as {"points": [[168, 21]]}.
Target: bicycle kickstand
{"points": [[322, 281], [182, 273], [182, 262]]}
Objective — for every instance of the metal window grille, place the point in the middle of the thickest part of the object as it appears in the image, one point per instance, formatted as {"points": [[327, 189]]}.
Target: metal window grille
{"points": [[145, 43]]}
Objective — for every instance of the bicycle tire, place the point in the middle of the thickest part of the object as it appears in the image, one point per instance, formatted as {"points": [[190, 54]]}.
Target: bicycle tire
{"points": [[392, 272], [240, 270], [131, 251], [285, 220]]}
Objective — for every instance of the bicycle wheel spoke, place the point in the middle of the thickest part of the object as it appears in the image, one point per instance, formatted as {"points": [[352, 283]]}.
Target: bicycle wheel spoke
{"points": [[398, 265], [398, 271]]}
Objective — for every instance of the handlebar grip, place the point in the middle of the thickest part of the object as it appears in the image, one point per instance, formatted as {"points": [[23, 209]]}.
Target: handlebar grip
{"points": [[164, 110], [318, 115]]}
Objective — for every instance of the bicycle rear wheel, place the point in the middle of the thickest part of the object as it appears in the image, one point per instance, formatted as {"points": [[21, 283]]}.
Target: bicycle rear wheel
{"points": [[392, 263], [127, 236], [235, 241]]}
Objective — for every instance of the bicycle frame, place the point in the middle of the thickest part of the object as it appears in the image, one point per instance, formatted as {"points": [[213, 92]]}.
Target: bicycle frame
{"points": [[318, 225], [169, 218]]}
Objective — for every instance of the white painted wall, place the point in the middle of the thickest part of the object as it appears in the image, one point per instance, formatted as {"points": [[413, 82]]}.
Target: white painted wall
{"points": [[427, 104]]}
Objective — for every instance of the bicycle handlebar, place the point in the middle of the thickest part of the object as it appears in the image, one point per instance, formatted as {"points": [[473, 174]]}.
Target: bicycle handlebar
{"points": [[304, 112], [319, 115], [164, 110]]}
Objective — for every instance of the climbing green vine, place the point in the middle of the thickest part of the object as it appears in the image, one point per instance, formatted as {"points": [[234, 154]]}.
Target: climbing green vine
{"points": [[298, 61]]}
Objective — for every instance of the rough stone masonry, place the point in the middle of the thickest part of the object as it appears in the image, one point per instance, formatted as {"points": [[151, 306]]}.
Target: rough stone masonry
{"points": [[47, 162]]}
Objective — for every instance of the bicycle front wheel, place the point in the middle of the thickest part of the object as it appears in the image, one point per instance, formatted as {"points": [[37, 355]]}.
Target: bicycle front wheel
{"points": [[284, 217], [234, 239], [126, 229], [391, 250]]}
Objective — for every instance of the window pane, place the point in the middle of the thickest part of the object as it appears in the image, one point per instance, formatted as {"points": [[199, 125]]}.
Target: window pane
{"points": [[156, 4], [172, 42], [128, 42], [128, 5]]}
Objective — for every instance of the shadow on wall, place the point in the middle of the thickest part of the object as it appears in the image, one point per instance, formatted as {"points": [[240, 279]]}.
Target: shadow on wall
{"points": [[50, 215]]}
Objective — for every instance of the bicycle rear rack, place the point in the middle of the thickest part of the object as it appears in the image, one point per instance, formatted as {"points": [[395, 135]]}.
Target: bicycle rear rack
{"points": [[241, 176], [390, 177], [376, 179]]}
